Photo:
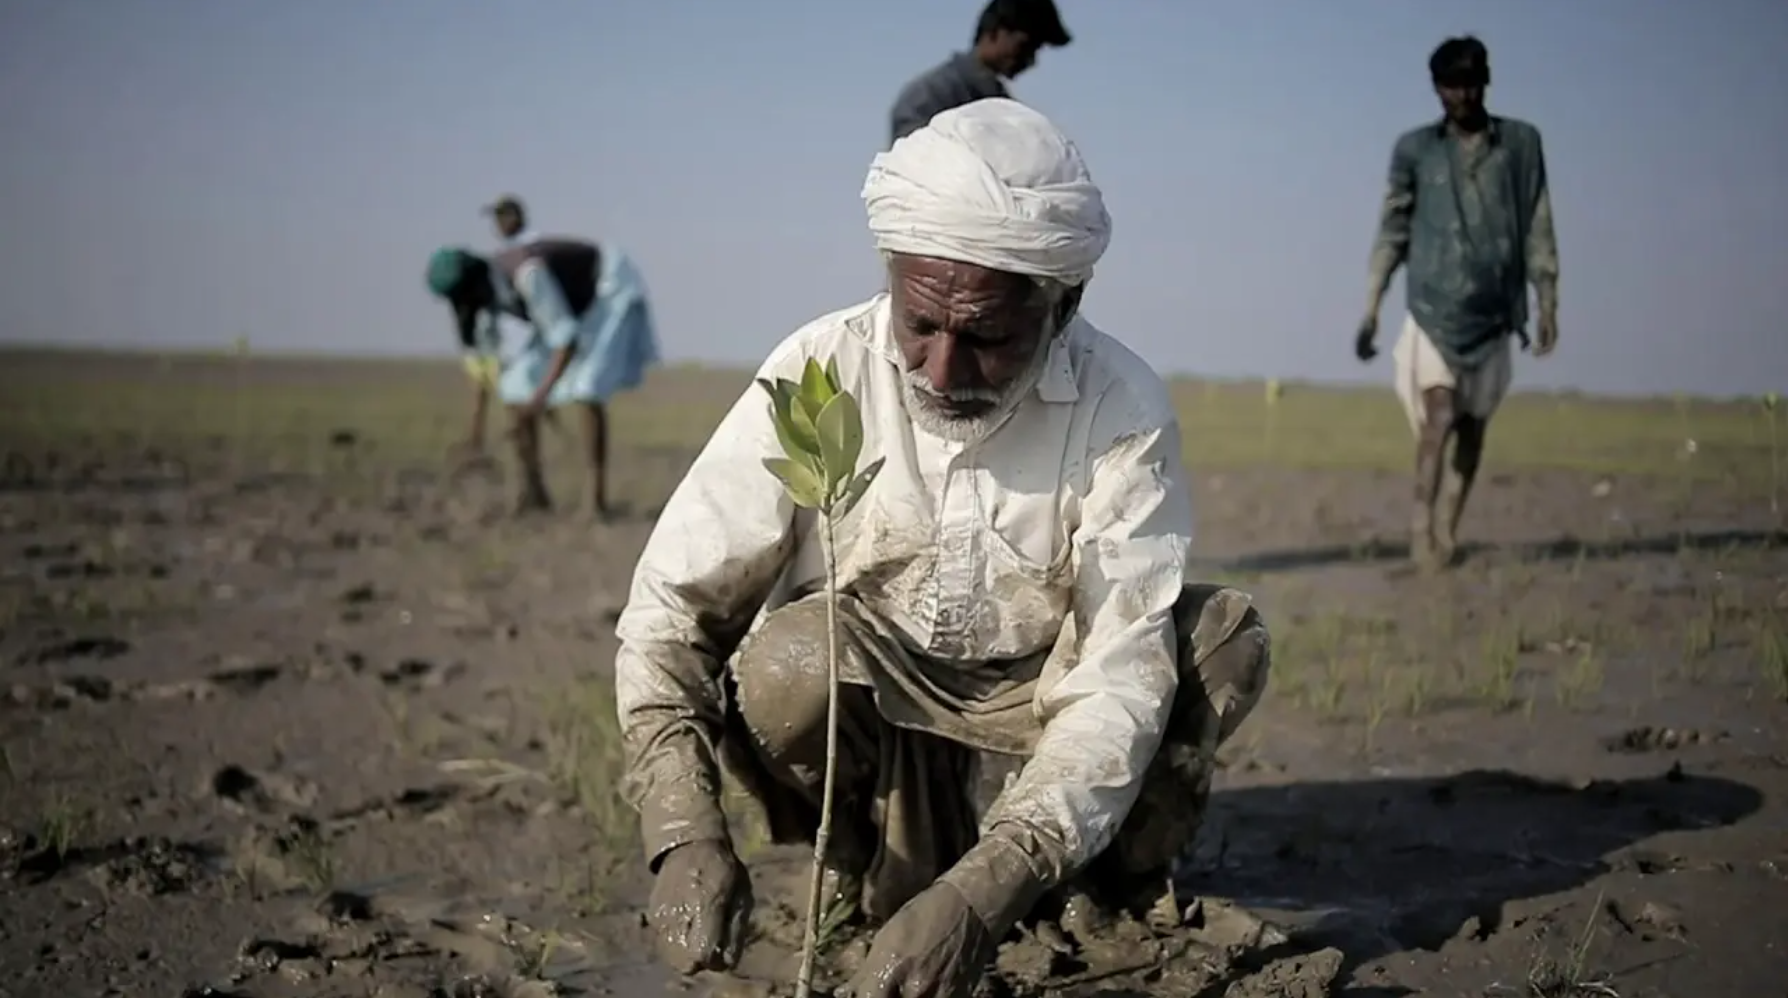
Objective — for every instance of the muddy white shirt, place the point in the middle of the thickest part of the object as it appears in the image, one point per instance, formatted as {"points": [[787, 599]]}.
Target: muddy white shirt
{"points": [[1074, 511]]}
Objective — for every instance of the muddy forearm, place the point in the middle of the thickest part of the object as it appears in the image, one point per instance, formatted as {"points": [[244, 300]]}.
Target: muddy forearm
{"points": [[1388, 250], [1395, 215], [1386, 258], [1542, 256], [556, 369], [1003, 876], [670, 706]]}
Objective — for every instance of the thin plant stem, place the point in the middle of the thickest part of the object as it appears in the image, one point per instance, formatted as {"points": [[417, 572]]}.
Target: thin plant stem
{"points": [[822, 837]]}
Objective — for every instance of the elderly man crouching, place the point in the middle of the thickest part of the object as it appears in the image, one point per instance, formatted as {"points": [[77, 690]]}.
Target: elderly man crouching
{"points": [[1033, 694]]}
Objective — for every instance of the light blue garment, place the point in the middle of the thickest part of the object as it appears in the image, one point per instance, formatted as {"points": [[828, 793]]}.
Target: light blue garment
{"points": [[615, 342]]}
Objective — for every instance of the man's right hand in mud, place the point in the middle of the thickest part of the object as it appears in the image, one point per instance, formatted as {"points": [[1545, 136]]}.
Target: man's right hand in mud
{"points": [[1363, 347], [935, 946], [700, 906]]}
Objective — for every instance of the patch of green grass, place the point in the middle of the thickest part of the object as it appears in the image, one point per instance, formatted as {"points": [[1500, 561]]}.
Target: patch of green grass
{"points": [[65, 821], [285, 411], [1569, 976], [1582, 680], [585, 762], [310, 855], [1500, 666], [1772, 655]]}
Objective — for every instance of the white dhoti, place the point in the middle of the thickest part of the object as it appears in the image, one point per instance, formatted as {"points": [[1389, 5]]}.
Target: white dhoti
{"points": [[1419, 366]]}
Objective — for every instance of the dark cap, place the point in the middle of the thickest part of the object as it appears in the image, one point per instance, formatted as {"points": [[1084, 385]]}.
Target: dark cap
{"points": [[1047, 26], [1037, 18], [507, 204]]}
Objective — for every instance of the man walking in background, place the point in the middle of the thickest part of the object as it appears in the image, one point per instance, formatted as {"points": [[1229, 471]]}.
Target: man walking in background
{"points": [[1467, 209], [1007, 38]]}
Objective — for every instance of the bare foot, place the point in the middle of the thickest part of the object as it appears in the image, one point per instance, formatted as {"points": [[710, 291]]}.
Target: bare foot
{"points": [[1422, 550], [1446, 548]]}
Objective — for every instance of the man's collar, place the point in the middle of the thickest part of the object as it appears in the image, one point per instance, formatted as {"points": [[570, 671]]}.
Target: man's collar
{"points": [[1058, 383], [522, 238], [1492, 128], [972, 65]]}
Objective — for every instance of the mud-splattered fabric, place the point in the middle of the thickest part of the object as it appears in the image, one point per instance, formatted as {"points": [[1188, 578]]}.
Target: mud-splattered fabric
{"points": [[1063, 533], [923, 772], [614, 340], [1417, 365], [1472, 219]]}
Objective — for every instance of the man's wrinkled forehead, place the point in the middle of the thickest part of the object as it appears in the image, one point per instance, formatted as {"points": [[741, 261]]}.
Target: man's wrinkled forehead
{"points": [[941, 275]]}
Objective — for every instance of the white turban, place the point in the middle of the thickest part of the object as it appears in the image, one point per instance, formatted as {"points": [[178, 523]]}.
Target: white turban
{"points": [[992, 183]]}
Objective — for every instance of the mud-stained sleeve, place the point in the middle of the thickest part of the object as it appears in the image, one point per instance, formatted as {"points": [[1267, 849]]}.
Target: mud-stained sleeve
{"points": [[1391, 245], [1542, 239], [1104, 718], [546, 305], [710, 563]]}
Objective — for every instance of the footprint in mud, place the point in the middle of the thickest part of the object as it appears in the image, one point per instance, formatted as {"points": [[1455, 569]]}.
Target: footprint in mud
{"points": [[359, 595], [102, 647], [40, 552], [420, 674], [140, 865], [417, 801], [264, 793], [245, 680], [368, 931], [85, 568], [64, 694], [1649, 920], [1650, 739]]}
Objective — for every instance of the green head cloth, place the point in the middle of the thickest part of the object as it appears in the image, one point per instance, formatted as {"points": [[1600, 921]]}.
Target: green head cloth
{"points": [[447, 268]]}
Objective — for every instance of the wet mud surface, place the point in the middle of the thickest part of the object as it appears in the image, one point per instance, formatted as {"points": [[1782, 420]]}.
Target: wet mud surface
{"points": [[342, 731]]}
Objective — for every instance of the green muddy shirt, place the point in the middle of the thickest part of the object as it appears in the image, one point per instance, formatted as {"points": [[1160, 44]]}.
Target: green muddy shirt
{"points": [[1472, 219]]}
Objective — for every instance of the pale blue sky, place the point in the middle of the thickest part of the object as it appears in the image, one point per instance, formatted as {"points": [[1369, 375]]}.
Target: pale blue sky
{"points": [[185, 171]]}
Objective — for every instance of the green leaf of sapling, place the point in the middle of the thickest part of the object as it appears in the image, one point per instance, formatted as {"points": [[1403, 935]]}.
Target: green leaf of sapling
{"points": [[798, 480], [815, 387], [840, 428], [853, 491]]}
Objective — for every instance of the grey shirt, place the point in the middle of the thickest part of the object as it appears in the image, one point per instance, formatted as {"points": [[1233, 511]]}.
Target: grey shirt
{"points": [[958, 80]]}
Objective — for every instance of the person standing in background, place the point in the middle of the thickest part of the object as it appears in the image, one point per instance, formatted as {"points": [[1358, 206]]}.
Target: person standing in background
{"points": [[1007, 39], [511, 219], [1468, 210]]}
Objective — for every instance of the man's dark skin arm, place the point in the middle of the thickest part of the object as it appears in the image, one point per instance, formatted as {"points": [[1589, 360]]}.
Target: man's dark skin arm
{"points": [[1542, 249], [1390, 248]]}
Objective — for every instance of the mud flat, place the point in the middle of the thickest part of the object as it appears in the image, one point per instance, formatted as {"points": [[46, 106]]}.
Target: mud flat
{"points": [[287, 710]]}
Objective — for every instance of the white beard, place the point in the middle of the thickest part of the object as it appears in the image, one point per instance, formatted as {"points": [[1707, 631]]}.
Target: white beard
{"points": [[924, 408]]}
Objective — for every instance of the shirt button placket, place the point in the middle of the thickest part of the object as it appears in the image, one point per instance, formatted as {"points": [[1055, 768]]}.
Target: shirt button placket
{"points": [[955, 591]]}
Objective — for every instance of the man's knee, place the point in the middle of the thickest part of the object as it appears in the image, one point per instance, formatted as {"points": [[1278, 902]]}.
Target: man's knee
{"points": [[1227, 651], [781, 678]]}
